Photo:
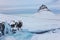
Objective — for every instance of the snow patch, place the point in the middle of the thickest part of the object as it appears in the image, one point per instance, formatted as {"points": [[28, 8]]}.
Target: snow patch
{"points": [[9, 38]]}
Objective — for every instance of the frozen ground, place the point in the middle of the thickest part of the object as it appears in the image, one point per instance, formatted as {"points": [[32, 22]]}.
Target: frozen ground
{"points": [[47, 36], [25, 35]]}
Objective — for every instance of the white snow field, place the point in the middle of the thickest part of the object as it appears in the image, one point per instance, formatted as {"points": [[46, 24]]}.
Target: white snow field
{"points": [[47, 36], [42, 20]]}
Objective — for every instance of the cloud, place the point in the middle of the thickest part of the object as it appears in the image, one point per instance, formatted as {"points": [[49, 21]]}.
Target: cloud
{"points": [[55, 5], [27, 4], [19, 2]]}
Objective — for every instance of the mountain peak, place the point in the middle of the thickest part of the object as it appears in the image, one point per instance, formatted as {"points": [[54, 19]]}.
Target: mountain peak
{"points": [[43, 7]]}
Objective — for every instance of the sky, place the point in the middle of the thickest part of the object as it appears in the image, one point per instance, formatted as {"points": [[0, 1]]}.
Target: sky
{"points": [[28, 4]]}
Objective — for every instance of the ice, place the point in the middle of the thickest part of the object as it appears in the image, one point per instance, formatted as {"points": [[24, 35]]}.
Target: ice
{"points": [[40, 21], [9, 38], [21, 35], [47, 36], [7, 28]]}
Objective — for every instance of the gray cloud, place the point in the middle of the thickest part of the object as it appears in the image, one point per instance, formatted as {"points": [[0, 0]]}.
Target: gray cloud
{"points": [[20, 4]]}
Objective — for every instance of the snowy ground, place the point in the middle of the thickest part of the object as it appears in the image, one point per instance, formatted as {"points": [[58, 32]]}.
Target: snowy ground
{"points": [[47, 36]]}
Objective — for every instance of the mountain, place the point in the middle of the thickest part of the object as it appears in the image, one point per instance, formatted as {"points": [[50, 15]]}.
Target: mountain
{"points": [[44, 12], [43, 7], [44, 19]]}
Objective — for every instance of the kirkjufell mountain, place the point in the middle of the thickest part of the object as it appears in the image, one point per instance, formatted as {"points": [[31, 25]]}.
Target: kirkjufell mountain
{"points": [[44, 19], [44, 12], [43, 7]]}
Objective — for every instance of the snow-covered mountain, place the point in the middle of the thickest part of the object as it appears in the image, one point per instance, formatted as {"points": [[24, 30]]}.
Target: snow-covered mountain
{"points": [[43, 7], [42, 20], [44, 12]]}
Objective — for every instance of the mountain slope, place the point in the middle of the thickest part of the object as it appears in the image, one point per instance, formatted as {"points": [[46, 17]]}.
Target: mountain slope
{"points": [[42, 20]]}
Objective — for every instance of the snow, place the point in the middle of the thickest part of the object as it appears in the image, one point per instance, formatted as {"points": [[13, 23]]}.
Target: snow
{"points": [[40, 21], [9, 38], [43, 20], [47, 36], [45, 14], [29, 36], [52, 35], [9, 18]]}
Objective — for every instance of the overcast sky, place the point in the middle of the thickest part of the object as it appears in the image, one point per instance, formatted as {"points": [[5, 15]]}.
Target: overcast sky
{"points": [[28, 4]]}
